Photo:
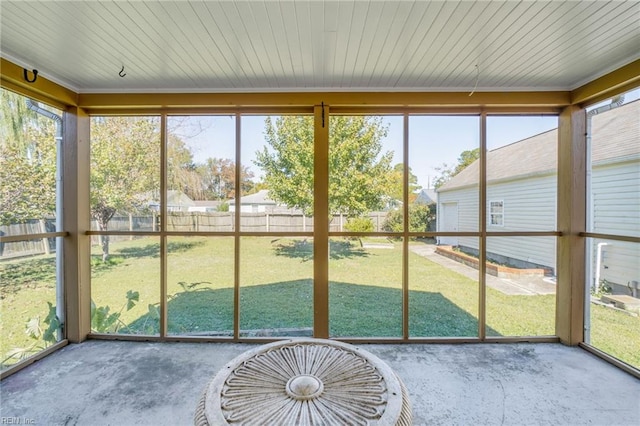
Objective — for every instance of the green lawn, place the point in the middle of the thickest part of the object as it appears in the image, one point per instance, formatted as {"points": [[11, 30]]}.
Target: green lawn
{"points": [[276, 293]]}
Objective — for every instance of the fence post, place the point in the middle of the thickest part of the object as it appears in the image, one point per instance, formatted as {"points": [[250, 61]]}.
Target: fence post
{"points": [[45, 241], [267, 218], [304, 222], [130, 226]]}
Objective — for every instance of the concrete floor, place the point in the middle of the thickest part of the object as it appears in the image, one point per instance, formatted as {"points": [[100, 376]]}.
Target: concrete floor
{"points": [[134, 383]]}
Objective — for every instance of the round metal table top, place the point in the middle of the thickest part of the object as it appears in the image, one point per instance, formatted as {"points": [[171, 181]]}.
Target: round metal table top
{"points": [[305, 382]]}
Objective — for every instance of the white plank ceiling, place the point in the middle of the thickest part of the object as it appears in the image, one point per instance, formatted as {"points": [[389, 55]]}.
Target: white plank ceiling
{"points": [[235, 46]]}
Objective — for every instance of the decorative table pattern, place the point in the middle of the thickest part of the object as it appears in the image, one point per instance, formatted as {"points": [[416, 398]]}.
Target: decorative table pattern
{"points": [[305, 382]]}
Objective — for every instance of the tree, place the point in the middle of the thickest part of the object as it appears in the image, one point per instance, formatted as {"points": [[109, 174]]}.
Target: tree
{"points": [[420, 216], [448, 171], [359, 175], [397, 185], [219, 178], [27, 161], [182, 173], [125, 173]]}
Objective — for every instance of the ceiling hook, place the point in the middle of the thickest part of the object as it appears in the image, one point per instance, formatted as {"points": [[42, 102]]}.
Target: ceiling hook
{"points": [[122, 73], [26, 75]]}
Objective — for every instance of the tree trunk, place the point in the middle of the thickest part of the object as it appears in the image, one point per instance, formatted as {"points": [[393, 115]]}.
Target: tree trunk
{"points": [[103, 216], [104, 240], [105, 247]]}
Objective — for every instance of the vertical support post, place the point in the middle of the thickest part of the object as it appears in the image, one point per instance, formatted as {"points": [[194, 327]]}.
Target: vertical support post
{"points": [[482, 244], [321, 222], [572, 195], [163, 226], [236, 232], [405, 219], [76, 221]]}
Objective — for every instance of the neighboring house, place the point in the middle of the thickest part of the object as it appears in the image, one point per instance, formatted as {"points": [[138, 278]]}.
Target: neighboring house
{"points": [[177, 201], [522, 192], [254, 203], [205, 206], [426, 196]]}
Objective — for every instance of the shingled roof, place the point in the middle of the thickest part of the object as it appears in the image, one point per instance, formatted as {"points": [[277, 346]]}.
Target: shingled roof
{"points": [[616, 136]]}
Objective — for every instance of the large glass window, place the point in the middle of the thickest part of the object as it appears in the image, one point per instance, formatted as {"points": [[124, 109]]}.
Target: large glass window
{"points": [[31, 300], [613, 270], [520, 291], [200, 299], [521, 187], [201, 185], [443, 291], [522, 168], [277, 165], [276, 286], [201, 173], [125, 199], [276, 198], [443, 160], [404, 236], [366, 197]]}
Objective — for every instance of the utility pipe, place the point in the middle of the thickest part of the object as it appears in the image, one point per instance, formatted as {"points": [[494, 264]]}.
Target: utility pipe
{"points": [[34, 106]]}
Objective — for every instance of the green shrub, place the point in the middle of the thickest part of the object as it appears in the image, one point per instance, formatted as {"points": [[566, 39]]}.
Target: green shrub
{"points": [[420, 216], [359, 224]]}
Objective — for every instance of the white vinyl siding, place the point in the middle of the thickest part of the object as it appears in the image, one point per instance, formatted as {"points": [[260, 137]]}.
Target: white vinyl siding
{"points": [[615, 199], [468, 207], [529, 205], [620, 261]]}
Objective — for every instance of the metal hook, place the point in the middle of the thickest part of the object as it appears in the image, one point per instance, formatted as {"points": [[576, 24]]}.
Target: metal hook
{"points": [[26, 75], [122, 73], [475, 86]]}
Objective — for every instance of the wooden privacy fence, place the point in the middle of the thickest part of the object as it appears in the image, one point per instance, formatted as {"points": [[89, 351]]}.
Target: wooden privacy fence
{"points": [[257, 222], [28, 247], [176, 222]]}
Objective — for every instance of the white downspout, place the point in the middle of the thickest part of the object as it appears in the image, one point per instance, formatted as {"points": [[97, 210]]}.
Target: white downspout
{"points": [[32, 105], [596, 283], [615, 102]]}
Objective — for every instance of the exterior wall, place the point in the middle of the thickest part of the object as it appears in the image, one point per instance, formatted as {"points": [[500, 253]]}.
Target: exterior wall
{"points": [[529, 205], [467, 201], [620, 264], [615, 192], [249, 208]]}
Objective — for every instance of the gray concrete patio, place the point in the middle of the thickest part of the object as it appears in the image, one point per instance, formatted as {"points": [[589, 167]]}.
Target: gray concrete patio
{"points": [[137, 383]]}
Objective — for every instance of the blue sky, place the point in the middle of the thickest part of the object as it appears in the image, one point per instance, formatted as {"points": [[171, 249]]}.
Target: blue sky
{"points": [[433, 140]]}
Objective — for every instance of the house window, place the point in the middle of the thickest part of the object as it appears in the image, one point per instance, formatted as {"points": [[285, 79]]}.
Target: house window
{"points": [[497, 213]]}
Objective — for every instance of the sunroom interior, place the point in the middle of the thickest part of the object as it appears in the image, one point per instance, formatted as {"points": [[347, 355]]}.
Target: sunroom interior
{"points": [[183, 181]]}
